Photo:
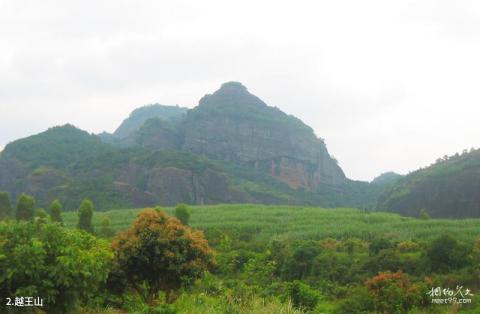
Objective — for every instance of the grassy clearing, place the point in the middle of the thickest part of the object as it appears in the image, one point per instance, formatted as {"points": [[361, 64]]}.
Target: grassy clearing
{"points": [[282, 222]]}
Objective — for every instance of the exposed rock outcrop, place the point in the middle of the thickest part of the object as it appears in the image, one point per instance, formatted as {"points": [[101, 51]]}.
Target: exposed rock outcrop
{"points": [[236, 126]]}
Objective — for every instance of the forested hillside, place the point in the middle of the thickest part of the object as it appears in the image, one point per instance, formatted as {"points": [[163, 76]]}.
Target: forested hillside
{"points": [[232, 147], [448, 188]]}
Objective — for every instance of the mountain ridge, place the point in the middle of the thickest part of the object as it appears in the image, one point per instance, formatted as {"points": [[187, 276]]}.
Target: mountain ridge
{"points": [[247, 152]]}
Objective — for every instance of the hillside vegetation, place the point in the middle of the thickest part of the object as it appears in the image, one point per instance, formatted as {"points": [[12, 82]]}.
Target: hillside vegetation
{"points": [[448, 188], [284, 259]]}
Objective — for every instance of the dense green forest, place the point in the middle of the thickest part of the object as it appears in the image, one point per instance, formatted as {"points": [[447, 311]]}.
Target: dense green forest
{"points": [[235, 259]]}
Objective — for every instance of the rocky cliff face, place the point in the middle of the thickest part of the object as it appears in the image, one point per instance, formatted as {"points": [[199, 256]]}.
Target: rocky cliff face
{"points": [[236, 126]]}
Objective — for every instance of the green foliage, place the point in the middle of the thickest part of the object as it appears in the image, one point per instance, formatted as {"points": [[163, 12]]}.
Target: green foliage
{"points": [[354, 263], [302, 295], [448, 183], [5, 206], [56, 211], [446, 254], [423, 214], [159, 254], [63, 266], [395, 293], [268, 222], [58, 147], [357, 301], [41, 216], [105, 229], [25, 207], [141, 115], [378, 245], [85, 214], [182, 213]]}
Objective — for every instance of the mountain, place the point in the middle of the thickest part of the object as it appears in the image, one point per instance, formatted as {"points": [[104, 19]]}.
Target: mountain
{"points": [[126, 134], [139, 116], [236, 126], [386, 178], [232, 147], [448, 188], [70, 164]]}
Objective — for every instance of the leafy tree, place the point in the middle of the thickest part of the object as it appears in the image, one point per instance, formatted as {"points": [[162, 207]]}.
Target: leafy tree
{"points": [[182, 213], [25, 207], [106, 230], [41, 215], [56, 211], [85, 214], [63, 266], [5, 206], [158, 253], [445, 253], [423, 214], [395, 293], [302, 260]]}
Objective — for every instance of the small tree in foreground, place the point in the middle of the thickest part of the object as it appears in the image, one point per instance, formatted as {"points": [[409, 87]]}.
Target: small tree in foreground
{"points": [[5, 206], [25, 207], [85, 214], [183, 214], [56, 211], [158, 253]]}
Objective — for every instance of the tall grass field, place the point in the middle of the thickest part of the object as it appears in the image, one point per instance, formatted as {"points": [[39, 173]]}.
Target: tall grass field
{"points": [[290, 222]]}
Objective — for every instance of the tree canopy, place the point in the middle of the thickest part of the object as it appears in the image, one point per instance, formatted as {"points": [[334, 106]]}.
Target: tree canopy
{"points": [[85, 214], [25, 207], [5, 206], [158, 253]]}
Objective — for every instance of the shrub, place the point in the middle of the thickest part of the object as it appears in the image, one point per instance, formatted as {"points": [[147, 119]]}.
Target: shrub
{"points": [[394, 292], [182, 213], [302, 295], [379, 244], [445, 253], [63, 266], [158, 254]]}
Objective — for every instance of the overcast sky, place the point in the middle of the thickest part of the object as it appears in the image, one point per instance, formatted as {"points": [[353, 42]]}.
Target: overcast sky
{"points": [[390, 85]]}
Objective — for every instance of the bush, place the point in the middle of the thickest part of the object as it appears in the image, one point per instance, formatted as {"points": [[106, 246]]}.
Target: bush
{"points": [[302, 295], [159, 254], [379, 244], [358, 301], [65, 267], [445, 253], [183, 214], [395, 293]]}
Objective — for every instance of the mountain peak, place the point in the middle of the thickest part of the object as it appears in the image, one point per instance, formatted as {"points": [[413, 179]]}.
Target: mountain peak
{"points": [[232, 86]]}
